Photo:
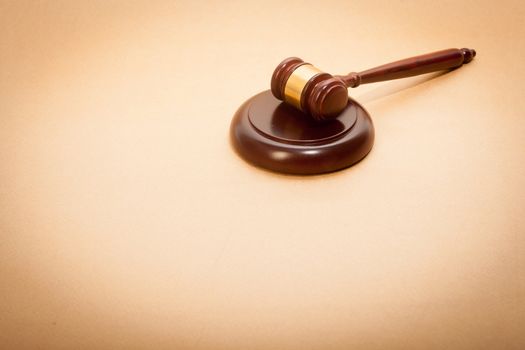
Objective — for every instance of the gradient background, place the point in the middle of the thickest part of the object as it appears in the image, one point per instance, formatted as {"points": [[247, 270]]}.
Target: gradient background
{"points": [[127, 221]]}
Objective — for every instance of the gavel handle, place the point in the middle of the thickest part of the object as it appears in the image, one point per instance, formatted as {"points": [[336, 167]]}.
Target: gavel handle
{"points": [[432, 62]]}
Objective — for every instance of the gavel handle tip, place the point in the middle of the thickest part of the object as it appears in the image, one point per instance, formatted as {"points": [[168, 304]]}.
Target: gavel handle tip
{"points": [[468, 54]]}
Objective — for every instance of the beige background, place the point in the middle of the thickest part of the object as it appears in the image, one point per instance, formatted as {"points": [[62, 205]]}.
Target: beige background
{"points": [[127, 221]]}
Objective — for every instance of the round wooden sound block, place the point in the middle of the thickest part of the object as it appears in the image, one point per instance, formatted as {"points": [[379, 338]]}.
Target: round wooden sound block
{"points": [[275, 136]]}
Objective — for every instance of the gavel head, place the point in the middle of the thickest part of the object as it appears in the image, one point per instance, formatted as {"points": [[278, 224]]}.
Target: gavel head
{"points": [[308, 89]]}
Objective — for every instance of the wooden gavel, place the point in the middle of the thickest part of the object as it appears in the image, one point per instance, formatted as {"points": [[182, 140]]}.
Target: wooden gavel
{"points": [[324, 96]]}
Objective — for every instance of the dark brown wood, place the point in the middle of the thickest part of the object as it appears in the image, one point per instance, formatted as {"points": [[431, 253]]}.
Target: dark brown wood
{"points": [[281, 74], [432, 62], [324, 96], [326, 99], [275, 136]]}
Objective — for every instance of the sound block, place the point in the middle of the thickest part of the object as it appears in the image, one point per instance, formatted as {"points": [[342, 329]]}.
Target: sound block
{"points": [[270, 134]]}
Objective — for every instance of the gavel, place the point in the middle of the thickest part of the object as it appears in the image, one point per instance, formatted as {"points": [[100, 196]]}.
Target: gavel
{"points": [[324, 96], [307, 124]]}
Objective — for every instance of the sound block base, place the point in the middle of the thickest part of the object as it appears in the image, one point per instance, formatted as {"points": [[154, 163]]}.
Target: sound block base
{"points": [[277, 137]]}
